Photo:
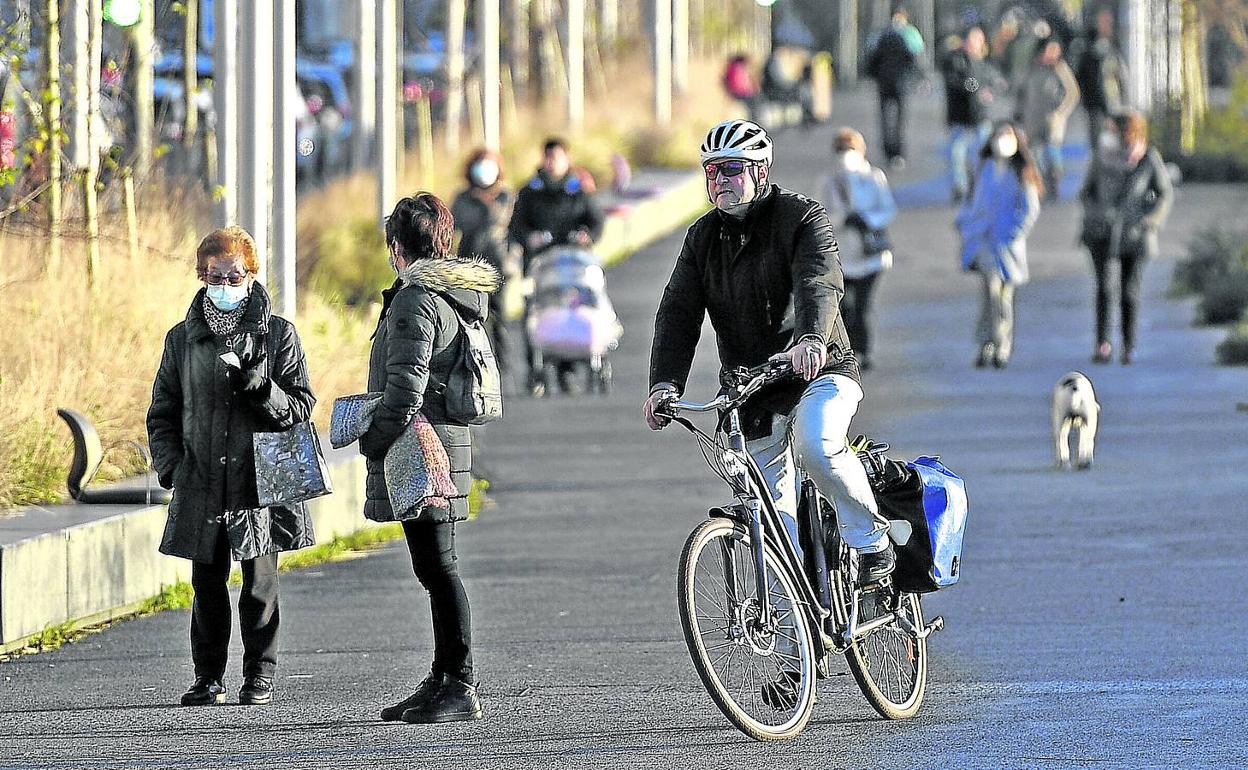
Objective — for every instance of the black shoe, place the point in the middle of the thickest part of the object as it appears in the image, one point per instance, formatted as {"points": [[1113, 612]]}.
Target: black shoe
{"points": [[1125, 357], [207, 691], [1000, 362], [256, 691], [423, 692], [874, 567], [781, 694], [453, 701]]}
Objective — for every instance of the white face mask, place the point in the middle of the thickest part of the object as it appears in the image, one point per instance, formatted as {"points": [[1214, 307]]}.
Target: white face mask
{"points": [[484, 173], [1109, 141], [852, 160], [1005, 146], [227, 297]]}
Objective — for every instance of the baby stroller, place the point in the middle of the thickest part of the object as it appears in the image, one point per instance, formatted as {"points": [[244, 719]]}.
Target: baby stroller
{"points": [[570, 320]]}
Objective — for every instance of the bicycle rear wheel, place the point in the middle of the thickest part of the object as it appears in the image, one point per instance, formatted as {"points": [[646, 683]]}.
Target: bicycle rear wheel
{"points": [[890, 663], [760, 672]]}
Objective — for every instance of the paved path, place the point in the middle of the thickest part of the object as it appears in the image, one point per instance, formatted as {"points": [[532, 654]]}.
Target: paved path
{"points": [[1098, 623]]}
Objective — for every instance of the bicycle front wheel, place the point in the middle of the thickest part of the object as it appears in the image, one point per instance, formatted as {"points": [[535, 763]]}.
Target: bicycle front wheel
{"points": [[760, 671]]}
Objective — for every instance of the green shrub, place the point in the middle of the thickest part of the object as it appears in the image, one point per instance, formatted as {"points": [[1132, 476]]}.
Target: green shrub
{"points": [[1233, 351], [1224, 300], [1212, 254]]}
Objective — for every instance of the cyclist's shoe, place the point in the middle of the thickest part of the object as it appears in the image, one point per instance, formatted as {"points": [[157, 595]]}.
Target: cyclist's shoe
{"points": [[874, 567], [781, 694]]}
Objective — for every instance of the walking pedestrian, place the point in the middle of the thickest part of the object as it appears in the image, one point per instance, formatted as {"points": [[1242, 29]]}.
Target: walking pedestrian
{"points": [[554, 207], [861, 207], [229, 369], [415, 347], [893, 63], [1046, 97], [1101, 74], [1126, 198], [994, 223], [482, 211], [742, 84], [969, 85]]}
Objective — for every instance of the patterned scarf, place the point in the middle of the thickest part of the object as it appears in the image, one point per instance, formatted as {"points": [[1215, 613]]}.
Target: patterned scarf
{"points": [[223, 322]]}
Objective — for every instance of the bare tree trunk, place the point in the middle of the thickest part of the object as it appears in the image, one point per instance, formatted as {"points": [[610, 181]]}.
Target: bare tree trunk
{"points": [[574, 19], [225, 106], [680, 45], [95, 37], [1196, 96], [661, 48], [364, 99], [487, 33], [53, 125], [143, 41], [190, 79], [518, 44], [456, 10]]}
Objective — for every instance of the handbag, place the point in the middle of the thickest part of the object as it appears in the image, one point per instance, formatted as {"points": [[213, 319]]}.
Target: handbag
{"points": [[351, 418], [290, 466]]}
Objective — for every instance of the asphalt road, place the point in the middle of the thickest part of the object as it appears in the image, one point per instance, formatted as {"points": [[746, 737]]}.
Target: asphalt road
{"points": [[1098, 621]]}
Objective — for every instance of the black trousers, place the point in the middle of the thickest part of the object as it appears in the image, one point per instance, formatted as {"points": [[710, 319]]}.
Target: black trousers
{"points": [[1130, 274], [432, 546], [258, 613], [893, 122], [496, 326], [855, 307]]}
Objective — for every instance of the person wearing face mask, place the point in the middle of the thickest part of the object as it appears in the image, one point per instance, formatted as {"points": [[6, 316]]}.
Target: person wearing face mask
{"points": [[763, 266], [1126, 198], [230, 368], [861, 207], [482, 212], [994, 223]]}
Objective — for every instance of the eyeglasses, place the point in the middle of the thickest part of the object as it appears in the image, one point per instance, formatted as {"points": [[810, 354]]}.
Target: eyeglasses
{"points": [[216, 279], [727, 167]]}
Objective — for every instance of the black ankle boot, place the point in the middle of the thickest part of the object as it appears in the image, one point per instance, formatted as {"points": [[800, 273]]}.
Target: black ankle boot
{"points": [[424, 691], [207, 691], [453, 701], [256, 690], [874, 567]]}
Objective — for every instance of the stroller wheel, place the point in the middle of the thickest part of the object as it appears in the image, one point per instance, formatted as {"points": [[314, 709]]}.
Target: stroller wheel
{"points": [[604, 378]]}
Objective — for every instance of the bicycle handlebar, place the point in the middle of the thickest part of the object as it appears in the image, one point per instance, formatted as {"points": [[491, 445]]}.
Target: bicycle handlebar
{"points": [[741, 383]]}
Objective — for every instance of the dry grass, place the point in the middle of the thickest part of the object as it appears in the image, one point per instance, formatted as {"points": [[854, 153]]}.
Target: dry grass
{"points": [[97, 352]]}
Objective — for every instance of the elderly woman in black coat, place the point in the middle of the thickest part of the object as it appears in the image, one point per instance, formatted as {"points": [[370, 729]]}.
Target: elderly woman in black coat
{"points": [[417, 343], [230, 369]]}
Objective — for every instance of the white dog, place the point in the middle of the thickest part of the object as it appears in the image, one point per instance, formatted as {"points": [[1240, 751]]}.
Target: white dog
{"points": [[1074, 406]]}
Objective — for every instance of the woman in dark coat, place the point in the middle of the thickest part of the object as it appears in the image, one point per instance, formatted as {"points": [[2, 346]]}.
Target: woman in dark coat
{"points": [[482, 211], [230, 369], [417, 343], [1126, 198]]}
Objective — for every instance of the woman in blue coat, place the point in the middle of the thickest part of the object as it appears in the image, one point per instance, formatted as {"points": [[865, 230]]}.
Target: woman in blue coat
{"points": [[994, 223]]}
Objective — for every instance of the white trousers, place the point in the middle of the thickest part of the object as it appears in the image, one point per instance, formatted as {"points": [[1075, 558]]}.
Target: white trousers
{"points": [[812, 437]]}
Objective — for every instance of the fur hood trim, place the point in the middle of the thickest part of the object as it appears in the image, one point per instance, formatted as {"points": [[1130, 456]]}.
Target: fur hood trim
{"points": [[473, 274]]}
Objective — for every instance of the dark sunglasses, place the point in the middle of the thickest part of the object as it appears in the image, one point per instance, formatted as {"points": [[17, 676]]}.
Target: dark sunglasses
{"points": [[727, 167], [233, 279]]}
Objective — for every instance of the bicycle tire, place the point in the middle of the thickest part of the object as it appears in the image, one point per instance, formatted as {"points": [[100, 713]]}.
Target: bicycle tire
{"points": [[869, 658], [786, 602]]}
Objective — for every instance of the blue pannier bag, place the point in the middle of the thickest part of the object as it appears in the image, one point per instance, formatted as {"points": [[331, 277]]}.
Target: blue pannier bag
{"points": [[932, 499]]}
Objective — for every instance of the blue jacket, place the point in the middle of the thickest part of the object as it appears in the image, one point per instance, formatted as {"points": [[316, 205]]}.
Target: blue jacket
{"points": [[994, 222]]}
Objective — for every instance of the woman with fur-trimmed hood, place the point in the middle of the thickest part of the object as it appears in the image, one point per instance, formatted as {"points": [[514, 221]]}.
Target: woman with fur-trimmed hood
{"points": [[417, 343]]}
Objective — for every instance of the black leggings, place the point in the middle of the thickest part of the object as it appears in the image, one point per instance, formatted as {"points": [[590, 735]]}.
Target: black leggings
{"points": [[1130, 274], [432, 546]]}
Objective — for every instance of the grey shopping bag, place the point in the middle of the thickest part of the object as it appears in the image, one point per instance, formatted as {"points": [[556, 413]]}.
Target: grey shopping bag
{"points": [[290, 467], [351, 418]]}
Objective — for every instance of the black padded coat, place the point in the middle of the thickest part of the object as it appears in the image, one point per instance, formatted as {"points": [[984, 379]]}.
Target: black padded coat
{"points": [[416, 344], [200, 431]]}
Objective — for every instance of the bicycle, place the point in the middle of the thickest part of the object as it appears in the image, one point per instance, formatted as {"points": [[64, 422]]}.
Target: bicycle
{"points": [[751, 607]]}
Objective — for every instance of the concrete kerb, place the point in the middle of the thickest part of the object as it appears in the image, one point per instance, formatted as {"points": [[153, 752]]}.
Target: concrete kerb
{"points": [[105, 569]]}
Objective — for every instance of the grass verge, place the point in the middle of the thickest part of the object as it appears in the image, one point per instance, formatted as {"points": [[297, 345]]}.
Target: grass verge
{"points": [[180, 595]]}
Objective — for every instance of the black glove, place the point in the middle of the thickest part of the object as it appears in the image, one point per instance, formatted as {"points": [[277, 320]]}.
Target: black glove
{"points": [[371, 446], [166, 479], [250, 380]]}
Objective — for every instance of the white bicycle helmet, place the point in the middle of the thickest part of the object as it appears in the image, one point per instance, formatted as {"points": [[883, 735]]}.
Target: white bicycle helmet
{"points": [[737, 139]]}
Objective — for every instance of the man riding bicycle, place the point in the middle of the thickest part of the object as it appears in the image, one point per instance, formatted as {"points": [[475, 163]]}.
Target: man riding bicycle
{"points": [[764, 266]]}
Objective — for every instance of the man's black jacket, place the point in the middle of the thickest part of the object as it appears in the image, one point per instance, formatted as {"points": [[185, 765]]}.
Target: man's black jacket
{"points": [[556, 206], [766, 281]]}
